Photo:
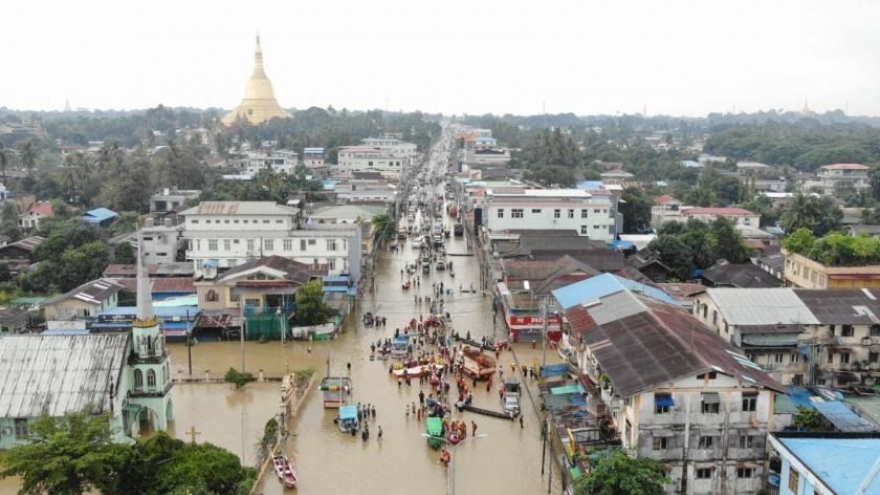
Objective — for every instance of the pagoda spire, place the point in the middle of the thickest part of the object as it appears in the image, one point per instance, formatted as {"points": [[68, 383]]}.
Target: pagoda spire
{"points": [[144, 317]]}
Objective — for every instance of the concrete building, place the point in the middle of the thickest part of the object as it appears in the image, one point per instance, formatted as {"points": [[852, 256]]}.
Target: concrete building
{"points": [[800, 271], [85, 301], [739, 216], [371, 159], [30, 219], [800, 336], [313, 158], [259, 104], [556, 209], [224, 234], [665, 208], [704, 413], [280, 162], [172, 200], [831, 177]]}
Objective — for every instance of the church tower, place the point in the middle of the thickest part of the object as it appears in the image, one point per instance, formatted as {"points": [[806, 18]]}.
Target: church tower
{"points": [[149, 362], [259, 104]]}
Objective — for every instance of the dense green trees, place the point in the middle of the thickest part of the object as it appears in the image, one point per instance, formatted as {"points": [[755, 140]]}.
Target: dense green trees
{"points": [[77, 454], [617, 473], [819, 214], [834, 249], [636, 209], [697, 245]]}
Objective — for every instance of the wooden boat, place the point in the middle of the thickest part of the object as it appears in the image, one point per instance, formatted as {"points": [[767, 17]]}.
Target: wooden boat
{"points": [[434, 428], [416, 371], [284, 470]]}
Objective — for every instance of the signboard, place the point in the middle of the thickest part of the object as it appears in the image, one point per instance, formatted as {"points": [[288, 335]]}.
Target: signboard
{"points": [[532, 320], [66, 325]]}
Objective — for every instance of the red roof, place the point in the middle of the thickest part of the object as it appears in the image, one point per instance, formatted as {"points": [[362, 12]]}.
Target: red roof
{"points": [[42, 208], [845, 166], [664, 199], [718, 211]]}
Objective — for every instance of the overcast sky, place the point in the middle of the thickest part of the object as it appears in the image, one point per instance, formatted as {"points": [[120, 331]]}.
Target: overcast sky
{"points": [[676, 57]]}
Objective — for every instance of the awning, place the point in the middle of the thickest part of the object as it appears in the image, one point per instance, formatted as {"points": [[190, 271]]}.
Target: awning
{"points": [[710, 433], [568, 389], [711, 398], [662, 433], [663, 400]]}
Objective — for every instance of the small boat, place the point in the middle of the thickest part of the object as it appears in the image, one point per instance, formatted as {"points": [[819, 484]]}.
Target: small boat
{"points": [[284, 470], [347, 421], [416, 371], [434, 428], [453, 438]]}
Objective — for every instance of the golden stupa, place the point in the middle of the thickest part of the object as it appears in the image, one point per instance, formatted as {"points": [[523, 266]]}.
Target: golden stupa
{"points": [[259, 104]]}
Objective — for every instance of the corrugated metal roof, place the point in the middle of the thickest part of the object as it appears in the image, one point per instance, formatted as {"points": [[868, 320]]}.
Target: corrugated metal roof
{"points": [[657, 344], [842, 417], [99, 215], [843, 306], [93, 292], [595, 288], [761, 306], [239, 208], [54, 375]]}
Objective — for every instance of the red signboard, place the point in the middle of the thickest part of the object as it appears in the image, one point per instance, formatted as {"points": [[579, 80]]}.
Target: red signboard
{"points": [[532, 320]]}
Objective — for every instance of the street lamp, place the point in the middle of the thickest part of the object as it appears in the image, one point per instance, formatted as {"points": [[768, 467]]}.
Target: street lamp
{"points": [[450, 483]]}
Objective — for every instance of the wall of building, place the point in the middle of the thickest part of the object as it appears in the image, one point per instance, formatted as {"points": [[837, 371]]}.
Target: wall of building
{"points": [[587, 219]]}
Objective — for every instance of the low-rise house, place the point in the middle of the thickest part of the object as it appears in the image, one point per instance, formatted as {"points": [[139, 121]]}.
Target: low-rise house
{"points": [[800, 271], [20, 254], [172, 200], [30, 219], [648, 263], [825, 463], [839, 175], [313, 158], [665, 208], [678, 393], [772, 264], [100, 216], [85, 301], [738, 275], [739, 216]]}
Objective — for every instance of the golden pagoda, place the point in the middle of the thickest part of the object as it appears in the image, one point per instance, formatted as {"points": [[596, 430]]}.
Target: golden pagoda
{"points": [[259, 104]]}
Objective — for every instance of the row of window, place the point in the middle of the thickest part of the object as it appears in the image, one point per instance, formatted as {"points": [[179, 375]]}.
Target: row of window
{"points": [[709, 402], [707, 442], [268, 244], [235, 221], [706, 473], [557, 213]]}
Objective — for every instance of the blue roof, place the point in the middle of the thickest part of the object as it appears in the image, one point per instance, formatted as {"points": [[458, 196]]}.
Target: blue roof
{"points": [[840, 463], [335, 278], [348, 412], [66, 331], [589, 184], [99, 215], [595, 288], [161, 311], [615, 245], [328, 184], [842, 417]]}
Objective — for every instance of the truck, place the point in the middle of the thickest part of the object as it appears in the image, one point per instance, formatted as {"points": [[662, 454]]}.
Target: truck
{"points": [[511, 396], [476, 364]]}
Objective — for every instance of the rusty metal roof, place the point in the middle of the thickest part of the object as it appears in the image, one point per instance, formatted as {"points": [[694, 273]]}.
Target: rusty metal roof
{"points": [[842, 306], [653, 343], [57, 374]]}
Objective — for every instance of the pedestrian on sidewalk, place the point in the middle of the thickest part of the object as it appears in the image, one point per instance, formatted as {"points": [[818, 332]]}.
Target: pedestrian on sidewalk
{"points": [[473, 428], [520, 422], [379, 435]]}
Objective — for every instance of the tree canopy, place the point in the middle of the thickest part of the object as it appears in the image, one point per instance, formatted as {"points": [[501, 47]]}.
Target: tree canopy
{"points": [[616, 473], [695, 244], [310, 306], [834, 249]]}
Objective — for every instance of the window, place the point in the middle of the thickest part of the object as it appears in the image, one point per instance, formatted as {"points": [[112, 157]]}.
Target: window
{"points": [[21, 428], [279, 221], [777, 358], [138, 379], [195, 221], [312, 242], [597, 211], [747, 442], [844, 357], [211, 296], [703, 473], [847, 331], [212, 244], [288, 244], [659, 443], [331, 244], [331, 263], [710, 402], [235, 221], [706, 442], [749, 401], [583, 213], [710, 375], [597, 227], [268, 244], [536, 210], [745, 472], [570, 213], [207, 221], [794, 479], [225, 221], [873, 357], [584, 230], [557, 213], [830, 357], [250, 244], [500, 212], [266, 221], [875, 330], [227, 245], [662, 403], [795, 357], [516, 213], [831, 329], [151, 379]]}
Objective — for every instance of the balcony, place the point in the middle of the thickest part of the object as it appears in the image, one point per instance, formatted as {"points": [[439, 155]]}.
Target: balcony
{"points": [[147, 392]]}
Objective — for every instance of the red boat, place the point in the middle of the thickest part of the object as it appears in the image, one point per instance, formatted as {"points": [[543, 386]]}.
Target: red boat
{"points": [[453, 438], [284, 470]]}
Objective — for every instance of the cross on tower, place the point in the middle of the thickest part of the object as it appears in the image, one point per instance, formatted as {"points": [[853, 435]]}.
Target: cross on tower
{"points": [[192, 434]]}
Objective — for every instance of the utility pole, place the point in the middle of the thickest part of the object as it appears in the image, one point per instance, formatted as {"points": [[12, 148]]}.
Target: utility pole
{"points": [[189, 344], [544, 323], [241, 328]]}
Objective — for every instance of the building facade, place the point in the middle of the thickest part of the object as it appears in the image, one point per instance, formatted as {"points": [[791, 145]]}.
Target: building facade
{"points": [[800, 271]]}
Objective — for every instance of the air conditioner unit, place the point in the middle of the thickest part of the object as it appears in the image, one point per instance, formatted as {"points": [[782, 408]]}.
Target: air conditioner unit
{"points": [[5, 431], [866, 341]]}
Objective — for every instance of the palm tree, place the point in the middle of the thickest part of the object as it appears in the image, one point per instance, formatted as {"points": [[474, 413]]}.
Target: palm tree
{"points": [[29, 155], [799, 213]]}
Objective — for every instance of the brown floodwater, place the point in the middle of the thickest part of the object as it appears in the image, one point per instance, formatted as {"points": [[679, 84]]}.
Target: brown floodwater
{"points": [[506, 460]]}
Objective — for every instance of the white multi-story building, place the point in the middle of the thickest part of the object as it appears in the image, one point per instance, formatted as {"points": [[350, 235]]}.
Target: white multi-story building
{"points": [[554, 209], [371, 159], [313, 157], [224, 234], [830, 177], [392, 145], [282, 161]]}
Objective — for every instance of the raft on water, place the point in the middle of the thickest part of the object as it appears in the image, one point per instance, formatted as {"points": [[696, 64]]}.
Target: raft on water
{"points": [[484, 412]]}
